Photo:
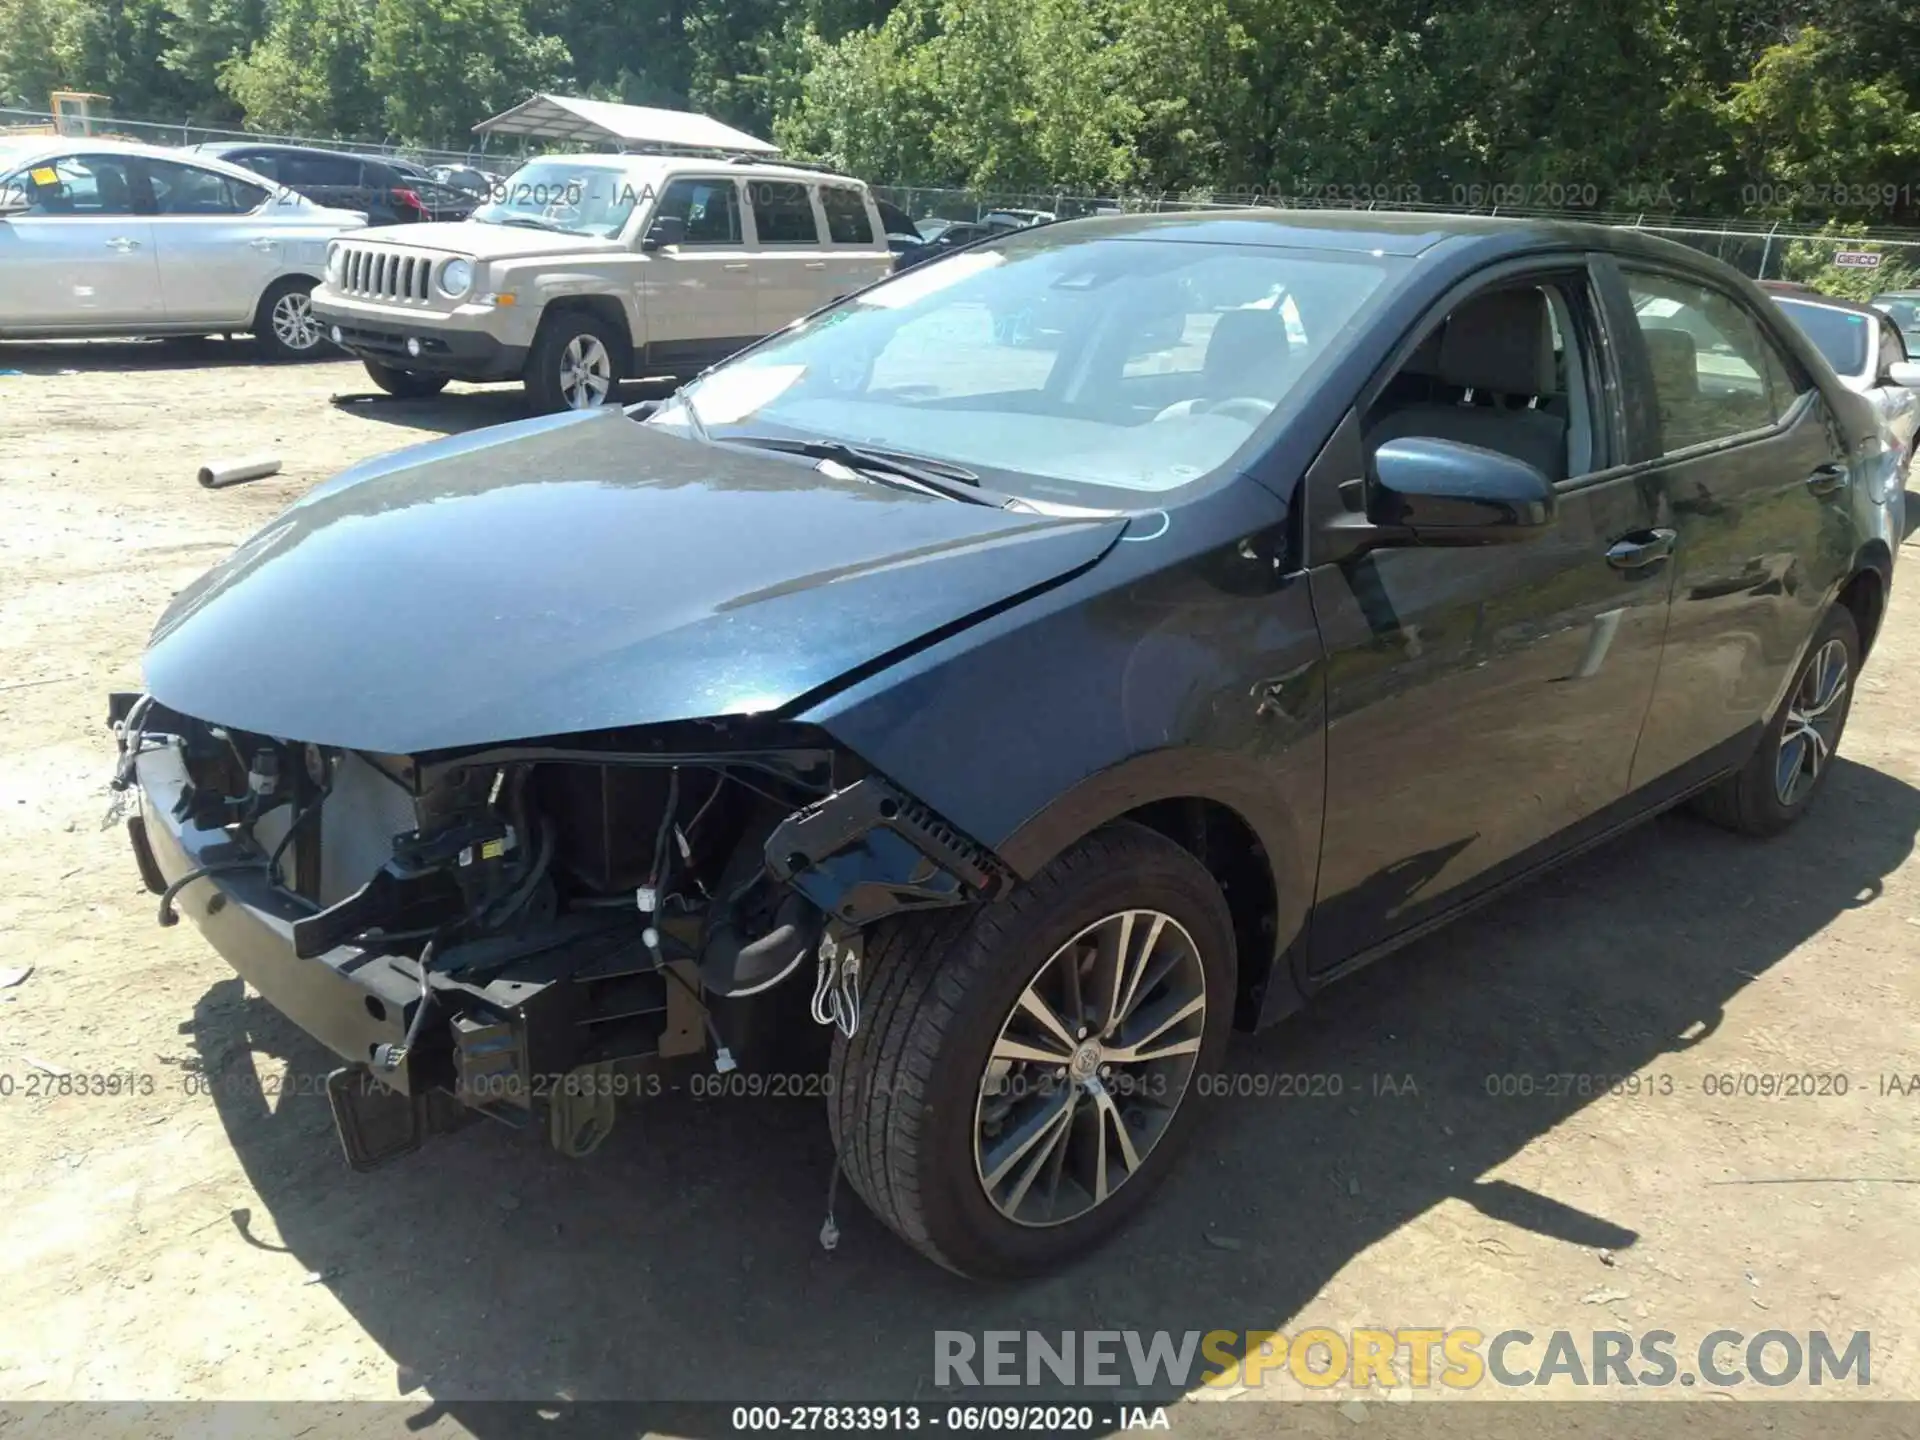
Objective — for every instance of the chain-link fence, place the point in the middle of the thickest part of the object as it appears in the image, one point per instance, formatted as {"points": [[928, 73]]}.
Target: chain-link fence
{"points": [[1857, 265]]}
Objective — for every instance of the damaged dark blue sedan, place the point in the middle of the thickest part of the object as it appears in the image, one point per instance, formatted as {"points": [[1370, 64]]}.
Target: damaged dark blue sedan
{"points": [[1000, 686]]}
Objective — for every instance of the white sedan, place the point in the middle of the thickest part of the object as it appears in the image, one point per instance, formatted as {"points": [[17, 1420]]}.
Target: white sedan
{"points": [[103, 237]]}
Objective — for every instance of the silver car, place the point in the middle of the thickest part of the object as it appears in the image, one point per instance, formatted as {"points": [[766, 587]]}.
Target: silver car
{"points": [[103, 237], [1869, 354]]}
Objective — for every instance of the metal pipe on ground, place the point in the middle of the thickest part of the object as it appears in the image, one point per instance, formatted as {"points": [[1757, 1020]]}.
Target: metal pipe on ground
{"points": [[223, 473]]}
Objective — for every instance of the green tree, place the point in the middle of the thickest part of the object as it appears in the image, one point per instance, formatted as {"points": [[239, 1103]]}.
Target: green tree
{"points": [[443, 65], [309, 74], [39, 51]]}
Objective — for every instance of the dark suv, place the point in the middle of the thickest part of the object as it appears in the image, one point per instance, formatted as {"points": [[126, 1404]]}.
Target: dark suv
{"points": [[332, 178]]}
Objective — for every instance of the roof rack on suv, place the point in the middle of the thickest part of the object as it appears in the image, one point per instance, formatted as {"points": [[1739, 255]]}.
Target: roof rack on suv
{"points": [[814, 165]]}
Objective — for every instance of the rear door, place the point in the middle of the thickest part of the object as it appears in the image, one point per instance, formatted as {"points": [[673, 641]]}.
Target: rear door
{"points": [[82, 256], [1754, 470], [216, 253], [1483, 703], [790, 258], [857, 252], [698, 296]]}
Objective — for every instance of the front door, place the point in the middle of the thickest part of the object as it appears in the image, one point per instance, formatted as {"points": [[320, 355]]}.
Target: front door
{"points": [[1755, 474], [698, 295], [1484, 702], [81, 257]]}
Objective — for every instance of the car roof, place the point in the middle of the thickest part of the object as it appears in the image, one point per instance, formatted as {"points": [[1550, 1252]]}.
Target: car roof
{"points": [[24, 149], [1361, 231], [675, 164]]}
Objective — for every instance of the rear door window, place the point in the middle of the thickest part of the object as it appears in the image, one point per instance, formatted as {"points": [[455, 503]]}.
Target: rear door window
{"points": [[846, 210], [783, 213], [189, 190], [319, 170], [1715, 374]]}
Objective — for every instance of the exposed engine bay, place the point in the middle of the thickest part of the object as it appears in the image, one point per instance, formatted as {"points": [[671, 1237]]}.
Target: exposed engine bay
{"points": [[519, 931]]}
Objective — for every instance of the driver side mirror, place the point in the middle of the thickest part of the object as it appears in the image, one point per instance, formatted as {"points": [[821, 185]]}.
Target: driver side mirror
{"points": [[664, 231], [1444, 492], [14, 200], [1905, 373]]}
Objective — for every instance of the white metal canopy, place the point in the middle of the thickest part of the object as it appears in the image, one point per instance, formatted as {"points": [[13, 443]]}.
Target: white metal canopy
{"points": [[628, 127]]}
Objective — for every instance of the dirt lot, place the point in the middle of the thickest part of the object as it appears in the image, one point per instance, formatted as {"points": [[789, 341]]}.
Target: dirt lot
{"points": [[200, 1239]]}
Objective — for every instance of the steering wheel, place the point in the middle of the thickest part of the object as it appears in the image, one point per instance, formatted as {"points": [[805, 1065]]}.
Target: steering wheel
{"points": [[1250, 408]]}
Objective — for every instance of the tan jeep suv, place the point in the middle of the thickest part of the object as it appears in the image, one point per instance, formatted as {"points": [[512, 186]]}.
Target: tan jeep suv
{"points": [[583, 270]]}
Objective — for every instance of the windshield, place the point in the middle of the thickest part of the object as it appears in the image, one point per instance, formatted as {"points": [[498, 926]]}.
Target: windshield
{"points": [[568, 196], [1839, 335], [1903, 310], [1052, 364]]}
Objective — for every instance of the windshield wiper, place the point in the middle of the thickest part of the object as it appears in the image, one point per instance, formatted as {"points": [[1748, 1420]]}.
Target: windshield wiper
{"points": [[535, 222], [942, 477]]}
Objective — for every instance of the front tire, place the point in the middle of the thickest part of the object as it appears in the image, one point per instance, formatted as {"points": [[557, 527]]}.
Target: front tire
{"points": [[574, 364], [284, 325], [1025, 1073], [404, 384], [1779, 782]]}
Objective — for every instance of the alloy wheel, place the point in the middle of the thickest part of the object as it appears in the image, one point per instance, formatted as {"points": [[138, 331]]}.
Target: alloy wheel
{"points": [[294, 325], [586, 372], [1089, 1068], [1813, 724]]}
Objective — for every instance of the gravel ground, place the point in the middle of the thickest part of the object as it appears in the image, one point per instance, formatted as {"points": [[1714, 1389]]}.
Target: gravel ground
{"points": [[200, 1239]]}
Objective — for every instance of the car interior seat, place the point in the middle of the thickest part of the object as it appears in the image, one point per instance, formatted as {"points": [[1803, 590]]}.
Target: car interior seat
{"points": [[1496, 355]]}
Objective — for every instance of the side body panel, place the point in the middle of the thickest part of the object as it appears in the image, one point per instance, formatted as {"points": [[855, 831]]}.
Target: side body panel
{"points": [[1180, 666]]}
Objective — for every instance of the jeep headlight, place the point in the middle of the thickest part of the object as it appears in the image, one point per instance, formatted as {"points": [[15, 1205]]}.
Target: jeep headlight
{"points": [[456, 278], [336, 265]]}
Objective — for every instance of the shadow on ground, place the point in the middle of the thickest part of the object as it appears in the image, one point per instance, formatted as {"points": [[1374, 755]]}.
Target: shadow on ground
{"points": [[456, 411], [681, 1261], [80, 357]]}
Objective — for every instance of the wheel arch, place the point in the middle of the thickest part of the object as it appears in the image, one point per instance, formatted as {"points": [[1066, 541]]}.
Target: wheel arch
{"points": [[601, 307], [1258, 854], [1865, 592]]}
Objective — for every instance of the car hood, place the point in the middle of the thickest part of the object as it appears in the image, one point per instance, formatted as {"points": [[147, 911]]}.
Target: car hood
{"points": [[489, 242], [577, 573]]}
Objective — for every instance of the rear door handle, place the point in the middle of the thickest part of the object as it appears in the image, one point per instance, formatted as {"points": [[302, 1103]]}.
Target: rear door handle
{"points": [[1828, 478], [816, 264], [734, 265], [262, 243], [123, 243], [1641, 549]]}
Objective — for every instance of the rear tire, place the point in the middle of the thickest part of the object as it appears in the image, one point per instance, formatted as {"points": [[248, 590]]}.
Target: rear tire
{"points": [[1787, 768], [404, 384], [928, 1113], [575, 363], [284, 325]]}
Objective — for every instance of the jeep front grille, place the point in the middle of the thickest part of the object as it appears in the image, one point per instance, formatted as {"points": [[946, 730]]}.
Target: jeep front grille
{"points": [[376, 273]]}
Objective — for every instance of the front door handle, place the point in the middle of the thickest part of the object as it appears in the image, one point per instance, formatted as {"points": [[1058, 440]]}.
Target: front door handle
{"points": [[123, 243], [734, 265], [1827, 479], [816, 264], [1641, 549]]}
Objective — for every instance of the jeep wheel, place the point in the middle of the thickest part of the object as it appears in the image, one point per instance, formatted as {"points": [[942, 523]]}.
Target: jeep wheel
{"points": [[1786, 770], [1023, 1076], [284, 326], [404, 384], [574, 364]]}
